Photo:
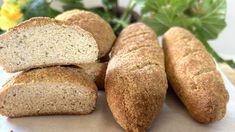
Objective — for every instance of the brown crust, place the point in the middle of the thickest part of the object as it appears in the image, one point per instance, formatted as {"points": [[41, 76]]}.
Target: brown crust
{"points": [[135, 82], [97, 72], [193, 76], [48, 114], [40, 21], [94, 24], [136, 34], [52, 74], [57, 74]]}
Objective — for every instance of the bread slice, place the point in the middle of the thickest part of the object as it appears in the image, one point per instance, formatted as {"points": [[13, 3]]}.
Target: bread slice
{"points": [[98, 27], [41, 42], [135, 82], [96, 72], [193, 76], [48, 91]]}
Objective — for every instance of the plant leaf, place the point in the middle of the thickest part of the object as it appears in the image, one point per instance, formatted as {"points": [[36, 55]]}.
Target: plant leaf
{"points": [[37, 8], [211, 14], [102, 13], [72, 4], [109, 4], [206, 17], [1, 31]]}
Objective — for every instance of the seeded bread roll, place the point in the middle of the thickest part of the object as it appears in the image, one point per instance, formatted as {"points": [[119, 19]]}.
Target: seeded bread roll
{"points": [[97, 72], [135, 37], [135, 82], [48, 91], [193, 76], [99, 28], [41, 42]]}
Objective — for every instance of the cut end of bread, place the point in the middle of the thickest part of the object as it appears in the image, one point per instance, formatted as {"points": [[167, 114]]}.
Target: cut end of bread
{"points": [[40, 92], [41, 42]]}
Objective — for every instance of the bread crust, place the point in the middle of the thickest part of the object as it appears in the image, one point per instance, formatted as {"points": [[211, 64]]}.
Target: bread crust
{"points": [[193, 76], [135, 34], [53, 75], [97, 72], [94, 24], [135, 82]]}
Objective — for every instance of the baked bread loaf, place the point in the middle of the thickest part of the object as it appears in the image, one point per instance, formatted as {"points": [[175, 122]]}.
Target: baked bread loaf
{"points": [[135, 36], [99, 28], [48, 91], [40, 42], [135, 82], [193, 76], [96, 72]]}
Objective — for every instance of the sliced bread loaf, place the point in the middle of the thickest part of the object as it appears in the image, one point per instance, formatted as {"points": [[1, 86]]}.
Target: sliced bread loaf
{"points": [[94, 24], [48, 91], [41, 42], [96, 71]]}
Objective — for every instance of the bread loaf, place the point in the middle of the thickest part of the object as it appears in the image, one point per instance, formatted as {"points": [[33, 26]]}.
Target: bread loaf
{"points": [[96, 72], [135, 82], [40, 42], [48, 91], [99, 28], [193, 76]]}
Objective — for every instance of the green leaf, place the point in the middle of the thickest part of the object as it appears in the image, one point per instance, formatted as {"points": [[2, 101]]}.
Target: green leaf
{"points": [[211, 14], [1, 31], [39, 8], [201, 17], [72, 4], [109, 4], [163, 14], [102, 13]]}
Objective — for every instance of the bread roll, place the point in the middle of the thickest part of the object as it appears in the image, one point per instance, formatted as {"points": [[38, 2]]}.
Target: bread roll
{"points": [[135, 82], [99, 28], [48, 91], [193, 76], [41, 42], [96, 72]]}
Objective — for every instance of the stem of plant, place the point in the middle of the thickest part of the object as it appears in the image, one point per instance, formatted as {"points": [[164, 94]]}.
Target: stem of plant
{"points": [[216, 56], [131, 6]]}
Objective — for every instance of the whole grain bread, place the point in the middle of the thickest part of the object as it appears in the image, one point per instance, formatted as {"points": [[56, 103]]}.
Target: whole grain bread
{"points": [[135, 82], [41, 42], [48, 91], [134, 35], [98, 27], [193, 76], [96, 72]]}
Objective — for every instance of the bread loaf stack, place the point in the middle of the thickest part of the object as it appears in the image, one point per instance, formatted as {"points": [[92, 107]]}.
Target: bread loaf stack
{"points": [[44, 49], [135, 82], [60, 70]]}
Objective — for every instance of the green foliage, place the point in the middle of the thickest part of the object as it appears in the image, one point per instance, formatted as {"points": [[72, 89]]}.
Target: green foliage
{"points": [[1, 31], [205, 18], [109, 4], [72, 4], [37, 8]]}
